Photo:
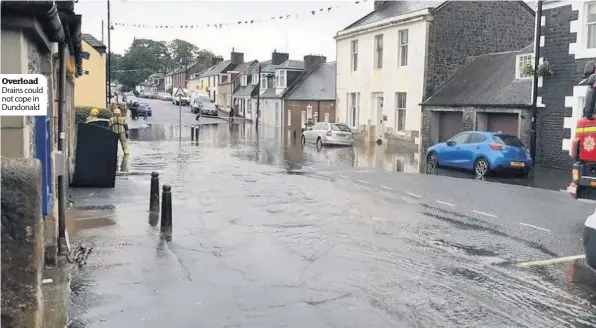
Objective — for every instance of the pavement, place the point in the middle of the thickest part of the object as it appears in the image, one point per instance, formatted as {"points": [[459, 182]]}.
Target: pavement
{"points": [[272, 236]]}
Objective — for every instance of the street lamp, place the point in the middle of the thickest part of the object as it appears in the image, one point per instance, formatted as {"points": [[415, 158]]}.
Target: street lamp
{"points": [[109, 61]]}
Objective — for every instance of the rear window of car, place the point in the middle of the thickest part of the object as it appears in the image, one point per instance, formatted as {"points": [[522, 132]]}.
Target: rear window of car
{"points": [[340, 127], [508, 140]]}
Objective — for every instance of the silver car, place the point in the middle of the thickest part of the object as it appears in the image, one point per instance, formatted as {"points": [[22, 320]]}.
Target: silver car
{"points": [[324, 133]]}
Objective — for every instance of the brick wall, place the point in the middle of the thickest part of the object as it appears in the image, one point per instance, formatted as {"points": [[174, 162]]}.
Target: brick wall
{"points": [[469, 28], [297, 106], [568, 72]]}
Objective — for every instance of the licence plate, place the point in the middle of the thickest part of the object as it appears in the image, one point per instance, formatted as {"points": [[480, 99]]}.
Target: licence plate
{"points": [[518, 164]]}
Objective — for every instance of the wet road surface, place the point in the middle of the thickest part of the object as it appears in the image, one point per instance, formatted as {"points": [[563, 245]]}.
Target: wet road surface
{"points": [[267, 236]]}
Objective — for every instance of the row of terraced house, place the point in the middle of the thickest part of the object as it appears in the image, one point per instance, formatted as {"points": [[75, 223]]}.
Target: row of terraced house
{"points": [[418, 72]]}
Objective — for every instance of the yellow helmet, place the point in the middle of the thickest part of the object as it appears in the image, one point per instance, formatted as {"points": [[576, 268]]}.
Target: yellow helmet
{"points": [[117, 111], [94, 112]]}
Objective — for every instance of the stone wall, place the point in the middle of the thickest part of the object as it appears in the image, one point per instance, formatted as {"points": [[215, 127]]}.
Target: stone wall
{"points": [[568, 72], [469, 28], [22, 243]]}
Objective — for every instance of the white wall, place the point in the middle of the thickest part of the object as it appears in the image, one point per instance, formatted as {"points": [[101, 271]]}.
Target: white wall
{"points": [[268, 112], [388, 80]]}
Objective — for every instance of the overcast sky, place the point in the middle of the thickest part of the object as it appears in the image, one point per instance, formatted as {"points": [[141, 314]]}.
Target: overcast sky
{"points": [[299, 36]]}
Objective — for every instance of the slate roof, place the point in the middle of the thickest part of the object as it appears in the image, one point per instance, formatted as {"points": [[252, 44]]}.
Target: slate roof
{"points": [[93, 42], [216, 69], [245, 91], [486, 80], [291, 64], [319, 84], [397, 8]]}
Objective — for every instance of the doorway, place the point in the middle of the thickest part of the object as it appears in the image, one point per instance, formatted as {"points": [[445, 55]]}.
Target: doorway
{"points": [[378, 103]]}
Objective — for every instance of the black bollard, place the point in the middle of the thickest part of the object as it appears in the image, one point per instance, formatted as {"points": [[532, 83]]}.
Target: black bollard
{"points": [[154, 193], [166, 208], [197, 127], [192, 133]]}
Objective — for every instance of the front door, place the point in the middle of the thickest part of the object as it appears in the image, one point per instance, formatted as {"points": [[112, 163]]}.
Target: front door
{"points": [[380, 122]]}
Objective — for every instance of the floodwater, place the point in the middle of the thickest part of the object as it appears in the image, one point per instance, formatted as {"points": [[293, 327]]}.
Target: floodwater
{"points": [[261, 240]]}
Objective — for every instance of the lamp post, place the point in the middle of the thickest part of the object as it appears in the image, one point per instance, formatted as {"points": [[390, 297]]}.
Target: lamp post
{"points": [[109, 61]]}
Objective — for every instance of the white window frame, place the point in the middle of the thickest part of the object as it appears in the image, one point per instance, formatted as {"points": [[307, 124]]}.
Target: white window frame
{"points": [[587, 25], [354, 55], [244, 80], [402, 62], [289, 117], [351, 107], [264, 81], [378, 51], [303, 119], [519, 60], [400, 110], [280, 78], [248, 106], [255, 79], [309, 111]]}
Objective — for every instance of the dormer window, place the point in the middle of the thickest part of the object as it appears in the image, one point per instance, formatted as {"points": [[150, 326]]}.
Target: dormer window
{"points": [[264, 81], [244, 80], [522, 63], [280, 78], [255, 79]]}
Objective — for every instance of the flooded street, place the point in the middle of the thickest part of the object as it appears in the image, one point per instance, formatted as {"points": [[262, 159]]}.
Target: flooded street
{"points": [[272, 236]]}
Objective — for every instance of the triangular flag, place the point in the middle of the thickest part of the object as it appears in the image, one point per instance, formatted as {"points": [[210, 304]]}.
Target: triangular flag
{"points": [[288, 16], [321, 9], [329, 9], [313, 12], [357, 2], [252, 21]]}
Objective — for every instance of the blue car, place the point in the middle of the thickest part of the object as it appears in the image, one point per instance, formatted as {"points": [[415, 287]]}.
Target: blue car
{"points": [[144, 110], [482, 153]]}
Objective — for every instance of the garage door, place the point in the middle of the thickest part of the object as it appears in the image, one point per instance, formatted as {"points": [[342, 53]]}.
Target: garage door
{"points": [[508, 123], [450, 124]]}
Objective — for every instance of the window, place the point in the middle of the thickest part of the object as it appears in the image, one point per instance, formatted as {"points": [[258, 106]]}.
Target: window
{"points": [[264, 81], [353, 109], [460, 138], [289, 117], [379, 51], [326, 117], [309, 111], [280, 79], [255, 79], [303, 118], [400, 111], [244, 80], [403, 48], [476, 138], [248, 106], [354, 52], [591, 26], [521, 61]]}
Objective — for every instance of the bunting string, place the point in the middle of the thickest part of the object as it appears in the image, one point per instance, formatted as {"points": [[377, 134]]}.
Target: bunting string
{"points": [[237, 23]]}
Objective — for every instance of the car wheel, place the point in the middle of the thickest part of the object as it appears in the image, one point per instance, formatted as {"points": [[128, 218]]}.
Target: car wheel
{"points": [[319, 143], [303, 140], [481, 167], [432, 160]]}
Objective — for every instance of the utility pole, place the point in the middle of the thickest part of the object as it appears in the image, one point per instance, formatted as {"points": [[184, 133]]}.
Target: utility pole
{"points": [[259, 96], [535, 82], [109, 61]]}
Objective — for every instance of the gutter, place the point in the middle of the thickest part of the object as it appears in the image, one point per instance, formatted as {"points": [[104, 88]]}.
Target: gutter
{"points": [[511, 106], [407, 18], [46, 12]]}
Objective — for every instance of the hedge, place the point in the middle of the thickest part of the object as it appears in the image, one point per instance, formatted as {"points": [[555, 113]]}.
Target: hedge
{"points": [[83, 112]]}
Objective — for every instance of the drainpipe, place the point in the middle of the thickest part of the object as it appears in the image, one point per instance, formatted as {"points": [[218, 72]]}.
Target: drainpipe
{"points": [[535, 82], [109, 62], [62, 243]]}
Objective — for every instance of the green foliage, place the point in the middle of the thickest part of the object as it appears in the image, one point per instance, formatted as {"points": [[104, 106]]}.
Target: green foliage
{"points": [[527, 69], [546, 69], [145, 57], [83, 112]]}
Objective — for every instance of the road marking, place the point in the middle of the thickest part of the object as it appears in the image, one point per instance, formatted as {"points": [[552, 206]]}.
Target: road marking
{"points": [[366, 182], [310, 168], [533, 226], [47, 281], [345, 177], [550, 261], [325, 172], [387, 188], [444, 203], [413, 195], [484, 213]]}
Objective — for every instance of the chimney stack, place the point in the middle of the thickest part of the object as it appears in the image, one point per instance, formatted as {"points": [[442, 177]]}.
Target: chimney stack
{"points": [[310, 61], [381, 4], [216, 60], [279, 57], [237, 58]]}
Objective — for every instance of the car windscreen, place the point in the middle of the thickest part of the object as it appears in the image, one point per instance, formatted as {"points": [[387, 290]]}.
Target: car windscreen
{"points": [[208, 105], [143, 106], [340, 127], [508, 140]]}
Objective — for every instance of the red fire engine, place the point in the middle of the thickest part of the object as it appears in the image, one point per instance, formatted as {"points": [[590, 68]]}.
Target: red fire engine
{"points": [[583, 144]]}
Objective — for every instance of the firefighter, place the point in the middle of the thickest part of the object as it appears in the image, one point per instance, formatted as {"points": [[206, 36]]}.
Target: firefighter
{"points": [[118, 125], [124, 109], [93, 115]]}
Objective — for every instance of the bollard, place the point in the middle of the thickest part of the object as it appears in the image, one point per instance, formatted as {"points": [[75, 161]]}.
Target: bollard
{"points": [[192, 133], [197, 129], [154, 193], [166, 208]]}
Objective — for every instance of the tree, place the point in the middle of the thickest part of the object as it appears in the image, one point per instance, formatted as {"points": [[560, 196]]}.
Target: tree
{"points": [[143, 58], [180, 49]]}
